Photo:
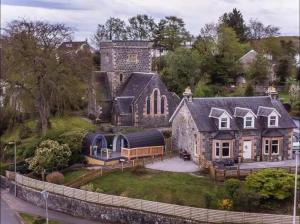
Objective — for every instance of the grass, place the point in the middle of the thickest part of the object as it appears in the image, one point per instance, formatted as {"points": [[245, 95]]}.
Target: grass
{"points": [[70, 176], [176, 188], [30, 219], [59, 126]]}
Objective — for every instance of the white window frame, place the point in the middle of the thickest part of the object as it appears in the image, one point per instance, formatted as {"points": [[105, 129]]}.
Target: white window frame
{"points": [[267, 144], [228, 150], [278, 146], [217, 146], [252, 122], [132, 58], [227, 122], [273, 115]]}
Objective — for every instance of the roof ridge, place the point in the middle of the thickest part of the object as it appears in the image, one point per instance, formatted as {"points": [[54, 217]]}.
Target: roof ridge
{"points": [[228, 97]]}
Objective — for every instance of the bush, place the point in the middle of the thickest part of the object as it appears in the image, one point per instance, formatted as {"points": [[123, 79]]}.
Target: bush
{"points": [[208, 198], [139, 170], [271, 183], [245, 200], [232, 186], [225, 204], [55, 178]]}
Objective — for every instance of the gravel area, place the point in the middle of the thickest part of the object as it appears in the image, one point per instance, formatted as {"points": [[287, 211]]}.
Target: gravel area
{"points": [[174, 165]]}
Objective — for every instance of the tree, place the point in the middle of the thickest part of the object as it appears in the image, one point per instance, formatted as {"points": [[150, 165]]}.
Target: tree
{"points": [[113, 29], [170, 33], [228, 50], [249, 91], [43, 78], [271, 183], [257, 30], [284, 69], [141, 27], [49, 156], [259, 69], [235, 20], [232, 186], [182, 70]]}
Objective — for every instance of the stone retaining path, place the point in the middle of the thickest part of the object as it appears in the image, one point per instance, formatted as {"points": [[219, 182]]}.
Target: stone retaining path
{"points": [[175, 164]]}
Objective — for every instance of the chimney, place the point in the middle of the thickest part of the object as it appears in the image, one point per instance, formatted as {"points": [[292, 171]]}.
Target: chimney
{"points": [[272, 92], [188, 94]]}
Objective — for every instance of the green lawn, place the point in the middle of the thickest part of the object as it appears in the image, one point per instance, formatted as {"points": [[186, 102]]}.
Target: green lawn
{"points": [[30, 219], [73, 175], [177, 188]]}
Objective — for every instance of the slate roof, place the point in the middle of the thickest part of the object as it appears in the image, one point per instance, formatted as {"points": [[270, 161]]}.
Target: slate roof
{"points": [[201, 107], [264, 111], [216, 112], [241, 112], [135, 84], [222, 135], [272, 133], [145, 138], [72, 46], [124, 104]]}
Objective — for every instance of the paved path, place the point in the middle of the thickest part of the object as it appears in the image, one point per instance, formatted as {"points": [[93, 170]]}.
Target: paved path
{"points": [[175, 164], [12, 204], [8, 215]]}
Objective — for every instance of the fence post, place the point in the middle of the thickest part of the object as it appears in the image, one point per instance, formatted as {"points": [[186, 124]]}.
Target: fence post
{"points": [[243, 217], [206, 215]]}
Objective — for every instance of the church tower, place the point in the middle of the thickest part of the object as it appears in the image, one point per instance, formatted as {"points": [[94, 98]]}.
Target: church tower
{"points": [[119, 59]]}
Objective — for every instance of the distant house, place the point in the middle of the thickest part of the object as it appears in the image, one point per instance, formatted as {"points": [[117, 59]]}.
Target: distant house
{"points": [[252, 128], [74, 47], [126, 92]]}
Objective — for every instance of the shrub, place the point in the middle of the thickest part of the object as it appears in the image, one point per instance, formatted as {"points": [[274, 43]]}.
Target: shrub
{"points": [[271, 183], [225, 204], [55, 178], [232, 186], [139, 170], [245, 200], [208, 199]]}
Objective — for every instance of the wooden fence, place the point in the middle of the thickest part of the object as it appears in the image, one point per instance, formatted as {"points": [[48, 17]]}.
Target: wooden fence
{"points": [[191, 213], [142, 152], [223, 174]]}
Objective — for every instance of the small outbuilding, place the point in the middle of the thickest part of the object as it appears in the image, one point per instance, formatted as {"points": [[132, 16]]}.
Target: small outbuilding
{"points": [[94, 144], [139, 144]]}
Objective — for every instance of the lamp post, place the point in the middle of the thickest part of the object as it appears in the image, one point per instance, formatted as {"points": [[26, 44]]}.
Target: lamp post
{"points": [[45, 195], [15, 161], [297, 152]]}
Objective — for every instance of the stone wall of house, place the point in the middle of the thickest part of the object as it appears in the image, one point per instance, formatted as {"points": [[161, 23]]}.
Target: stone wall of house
{"points": [[101, 213], [184, 132], [141, 118]]}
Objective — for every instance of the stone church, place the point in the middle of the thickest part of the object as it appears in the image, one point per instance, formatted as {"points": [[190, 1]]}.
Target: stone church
{"points": [[125, 92]]}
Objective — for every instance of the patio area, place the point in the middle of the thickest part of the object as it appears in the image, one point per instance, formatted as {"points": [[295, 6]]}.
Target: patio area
{"points": [[174, 165], [262, 165]]}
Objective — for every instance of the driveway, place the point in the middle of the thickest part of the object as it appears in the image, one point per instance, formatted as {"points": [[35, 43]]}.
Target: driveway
{"points": [[175, 164], [10, 205]]}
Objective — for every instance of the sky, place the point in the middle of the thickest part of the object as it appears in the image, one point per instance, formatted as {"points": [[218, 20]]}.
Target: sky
{"points": [[84, 15]]}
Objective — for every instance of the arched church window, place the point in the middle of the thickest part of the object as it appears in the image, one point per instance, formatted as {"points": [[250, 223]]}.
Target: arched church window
{"points": [[155, 101], [162, 105], [148, 105]]}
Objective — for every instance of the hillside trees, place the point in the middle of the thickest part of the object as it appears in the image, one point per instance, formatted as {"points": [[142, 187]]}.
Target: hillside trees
{"points": [[44, 79]]}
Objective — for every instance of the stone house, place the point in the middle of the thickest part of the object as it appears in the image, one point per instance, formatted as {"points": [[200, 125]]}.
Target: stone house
{"points": [[250, 128], [126, 92]]}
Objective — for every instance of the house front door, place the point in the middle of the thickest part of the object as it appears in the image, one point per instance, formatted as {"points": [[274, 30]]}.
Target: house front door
{"points": [[247, 148]]}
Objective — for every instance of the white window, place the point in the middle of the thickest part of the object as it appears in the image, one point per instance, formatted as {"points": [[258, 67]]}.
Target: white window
{"points": [[224, 122], [271, 147], [273, 121], [266, 149], [249, 122], [275, 147], [222, 150]]}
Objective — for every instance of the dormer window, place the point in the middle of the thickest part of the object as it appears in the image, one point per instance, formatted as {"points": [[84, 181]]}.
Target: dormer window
{"points": [[273, 121], [249, 122], [224, 123]]}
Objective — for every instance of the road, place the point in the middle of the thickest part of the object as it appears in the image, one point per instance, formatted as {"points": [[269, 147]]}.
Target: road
{"points": [[10, 205]]}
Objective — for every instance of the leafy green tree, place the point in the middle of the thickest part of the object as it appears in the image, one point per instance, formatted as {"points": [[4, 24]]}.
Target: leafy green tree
{"points": [[249, 91], [271, 183], [259, 69], [284, 69], [183, 69], [141, 27], [232, 186], [43, 78], [49, 156], [203, 89], [113, 29], [235, 20], [170, 33]]}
